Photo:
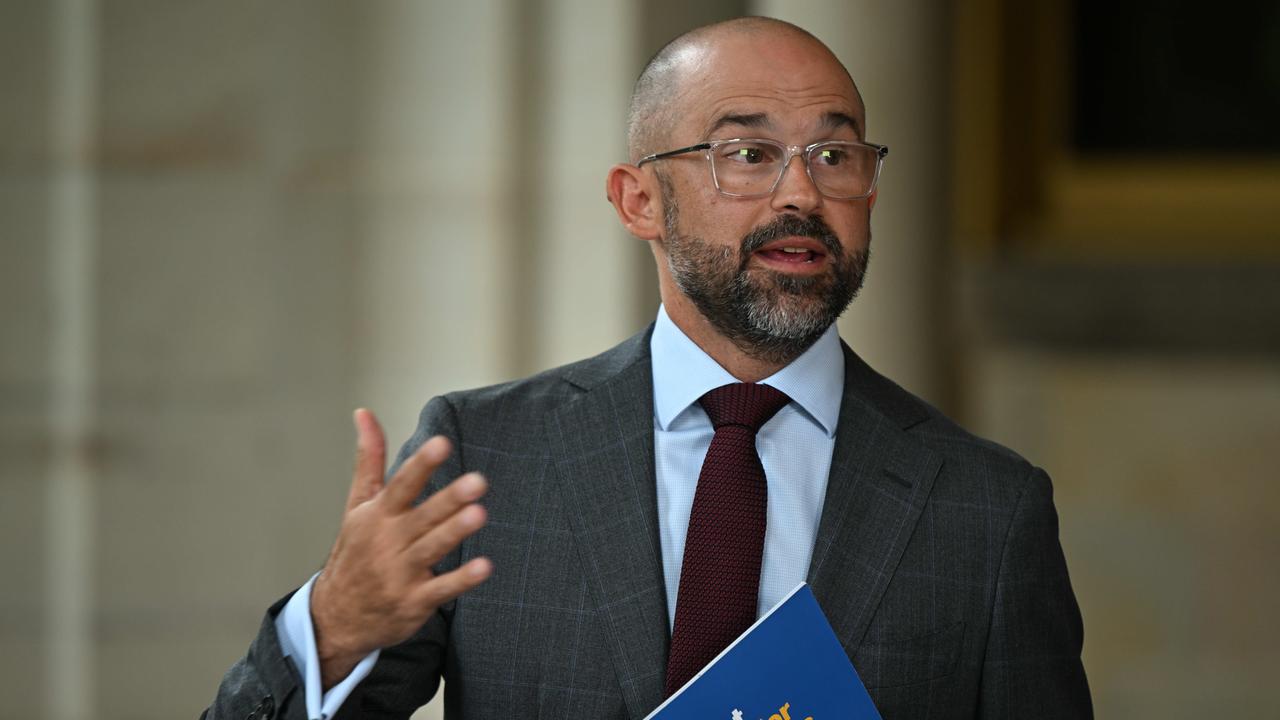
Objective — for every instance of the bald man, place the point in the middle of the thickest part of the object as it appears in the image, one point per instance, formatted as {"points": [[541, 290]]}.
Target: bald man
{"points": [[573, 590]]}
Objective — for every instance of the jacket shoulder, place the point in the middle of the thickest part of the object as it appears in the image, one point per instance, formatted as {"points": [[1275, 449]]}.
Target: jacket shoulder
{"points": [[963, 452], [548, 389], [508, 414]]}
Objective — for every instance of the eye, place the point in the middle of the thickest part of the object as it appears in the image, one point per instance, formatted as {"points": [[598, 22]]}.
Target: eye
{"points": [[749, 153], [831, 156]]}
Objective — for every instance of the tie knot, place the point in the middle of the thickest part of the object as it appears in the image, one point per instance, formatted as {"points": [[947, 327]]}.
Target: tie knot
{"points": [[746, 404]]}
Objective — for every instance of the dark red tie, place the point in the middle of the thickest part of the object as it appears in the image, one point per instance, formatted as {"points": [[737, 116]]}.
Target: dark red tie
{"points": [[720, 575]]}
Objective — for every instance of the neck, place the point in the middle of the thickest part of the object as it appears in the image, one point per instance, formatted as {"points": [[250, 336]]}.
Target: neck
{"points": [[736, 361]]}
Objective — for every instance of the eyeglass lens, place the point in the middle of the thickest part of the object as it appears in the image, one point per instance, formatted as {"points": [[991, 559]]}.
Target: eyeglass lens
{"points": [[753, 167]]}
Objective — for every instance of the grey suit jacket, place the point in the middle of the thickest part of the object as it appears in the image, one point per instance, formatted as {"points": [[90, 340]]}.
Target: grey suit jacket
{"points": [[936, 560]]}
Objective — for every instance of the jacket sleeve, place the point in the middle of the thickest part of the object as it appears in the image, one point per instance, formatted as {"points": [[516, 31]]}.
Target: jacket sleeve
{"points": [[1032, 666], [265, 684]]}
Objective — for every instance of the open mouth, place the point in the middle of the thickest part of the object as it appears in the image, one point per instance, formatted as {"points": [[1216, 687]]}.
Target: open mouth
{"points": [[791, 255], [796, 253]]}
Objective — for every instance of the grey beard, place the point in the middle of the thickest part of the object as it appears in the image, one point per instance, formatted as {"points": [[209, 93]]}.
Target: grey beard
{"points": [[769, 316]]}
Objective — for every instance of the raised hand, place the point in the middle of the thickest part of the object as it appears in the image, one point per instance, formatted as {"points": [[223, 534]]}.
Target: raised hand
{"points": [[377, 587]]}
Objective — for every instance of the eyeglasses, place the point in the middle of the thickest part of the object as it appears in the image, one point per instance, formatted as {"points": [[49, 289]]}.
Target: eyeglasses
{"points": [[752, 167]]}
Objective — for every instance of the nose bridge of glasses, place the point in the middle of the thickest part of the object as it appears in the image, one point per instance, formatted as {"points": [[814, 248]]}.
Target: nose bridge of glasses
{"points": [[792, 152]]}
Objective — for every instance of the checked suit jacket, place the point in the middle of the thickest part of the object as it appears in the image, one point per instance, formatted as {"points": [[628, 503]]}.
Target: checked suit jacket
{"points": [[936, 560]]}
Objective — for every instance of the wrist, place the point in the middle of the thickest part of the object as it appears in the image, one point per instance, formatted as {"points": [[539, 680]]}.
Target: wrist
{"points": [[336, 652]]}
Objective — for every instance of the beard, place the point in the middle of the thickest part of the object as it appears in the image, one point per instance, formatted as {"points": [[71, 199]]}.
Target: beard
{"points": [[770, 316]]}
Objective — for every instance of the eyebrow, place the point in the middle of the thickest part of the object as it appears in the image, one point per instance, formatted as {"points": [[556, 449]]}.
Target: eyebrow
{"points": [[830, 121], [837, 120], [750, 120]]}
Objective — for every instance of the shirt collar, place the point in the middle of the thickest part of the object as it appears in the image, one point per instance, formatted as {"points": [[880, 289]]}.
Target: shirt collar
{"points": [[682, 373]]}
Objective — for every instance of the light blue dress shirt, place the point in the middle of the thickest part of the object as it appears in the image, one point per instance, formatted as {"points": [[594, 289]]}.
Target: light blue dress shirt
{"points": [[795, 449]]}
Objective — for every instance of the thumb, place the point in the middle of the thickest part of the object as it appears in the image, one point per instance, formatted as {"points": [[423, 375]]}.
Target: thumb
{"points": [[371, 457]]}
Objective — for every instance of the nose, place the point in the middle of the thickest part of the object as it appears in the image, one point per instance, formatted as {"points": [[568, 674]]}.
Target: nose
{"points": [[795, 191]]}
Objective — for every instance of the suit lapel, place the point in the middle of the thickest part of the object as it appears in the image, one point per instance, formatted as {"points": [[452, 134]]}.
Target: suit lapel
{"points": [[602, 446], [879, 482]]}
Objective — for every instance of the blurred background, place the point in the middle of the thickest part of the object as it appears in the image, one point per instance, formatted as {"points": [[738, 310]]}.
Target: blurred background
{"points": [[225, 225]]}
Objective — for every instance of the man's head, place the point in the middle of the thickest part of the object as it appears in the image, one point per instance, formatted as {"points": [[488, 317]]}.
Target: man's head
{"points": [[769, 272]]}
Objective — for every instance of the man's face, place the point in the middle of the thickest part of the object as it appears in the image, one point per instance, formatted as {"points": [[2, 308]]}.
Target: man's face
{"points": [[774, 313], [733, 257]]}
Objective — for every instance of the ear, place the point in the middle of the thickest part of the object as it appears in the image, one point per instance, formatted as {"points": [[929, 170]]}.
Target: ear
{"points": [[635, 197], [871, 200]]}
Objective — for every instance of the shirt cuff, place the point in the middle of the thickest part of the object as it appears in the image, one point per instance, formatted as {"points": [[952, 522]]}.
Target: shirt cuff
{"points": [[298, 641]]}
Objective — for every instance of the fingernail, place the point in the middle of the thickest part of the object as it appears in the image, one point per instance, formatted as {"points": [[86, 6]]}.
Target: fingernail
{"points": [[473, 483]]}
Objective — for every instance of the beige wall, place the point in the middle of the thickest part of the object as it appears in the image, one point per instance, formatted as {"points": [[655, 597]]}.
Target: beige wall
{"points": [[1164, 470], [224, 225]]}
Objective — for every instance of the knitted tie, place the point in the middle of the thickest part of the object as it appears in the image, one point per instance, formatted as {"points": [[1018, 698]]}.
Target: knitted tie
{"points": [[720, 577]]}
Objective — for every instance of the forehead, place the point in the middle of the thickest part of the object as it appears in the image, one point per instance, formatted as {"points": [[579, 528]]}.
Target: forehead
{"points": [[780, 85]]}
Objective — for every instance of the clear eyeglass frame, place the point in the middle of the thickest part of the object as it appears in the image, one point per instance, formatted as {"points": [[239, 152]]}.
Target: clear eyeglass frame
{"points": [[806, 154]]}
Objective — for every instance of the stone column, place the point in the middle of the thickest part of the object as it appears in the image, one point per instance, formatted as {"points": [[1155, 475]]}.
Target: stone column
{"points": [[586, 265], [489, 250], [435, 303], [69, 526]]}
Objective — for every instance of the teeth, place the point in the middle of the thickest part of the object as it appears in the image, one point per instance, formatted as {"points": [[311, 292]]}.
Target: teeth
{"points": [[794, 250]]}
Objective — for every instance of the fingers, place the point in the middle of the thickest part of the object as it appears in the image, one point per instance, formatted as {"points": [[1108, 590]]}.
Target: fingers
{"points": [[371, 455], [440, 540], [463, 491], [410, 480], [443, 588]]}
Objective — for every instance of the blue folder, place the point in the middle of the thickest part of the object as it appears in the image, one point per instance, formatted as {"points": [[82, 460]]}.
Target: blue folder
{"points": [[789, 665]]}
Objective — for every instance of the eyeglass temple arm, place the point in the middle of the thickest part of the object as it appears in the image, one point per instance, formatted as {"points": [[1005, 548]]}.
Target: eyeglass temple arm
{"points": [[670, 153]]}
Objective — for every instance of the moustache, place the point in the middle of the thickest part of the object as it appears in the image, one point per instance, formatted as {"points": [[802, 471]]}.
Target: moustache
{"points": [[792, 226]]}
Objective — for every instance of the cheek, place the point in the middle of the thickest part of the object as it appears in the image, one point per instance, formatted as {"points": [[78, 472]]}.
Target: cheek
{"points": [[730, 224], [717, 219], [851, 225]]}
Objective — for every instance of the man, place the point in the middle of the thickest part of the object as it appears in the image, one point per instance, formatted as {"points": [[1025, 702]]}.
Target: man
{"points": [[605, 563]]}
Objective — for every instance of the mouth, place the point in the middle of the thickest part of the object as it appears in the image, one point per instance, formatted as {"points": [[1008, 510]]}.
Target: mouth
{"points": [[794, 254]]}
